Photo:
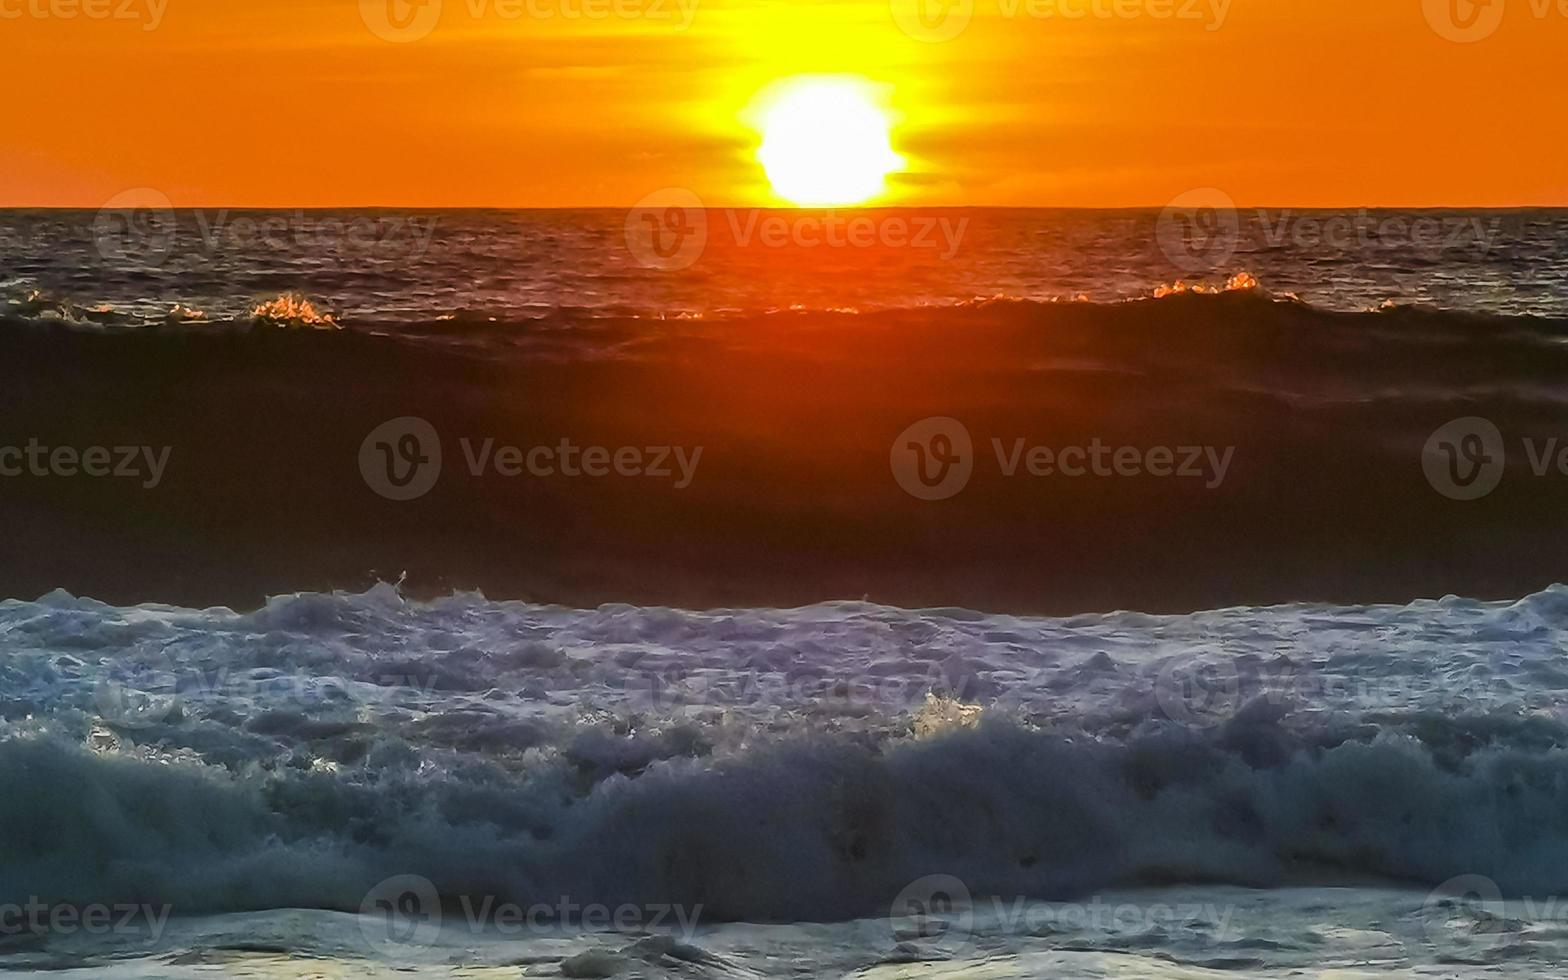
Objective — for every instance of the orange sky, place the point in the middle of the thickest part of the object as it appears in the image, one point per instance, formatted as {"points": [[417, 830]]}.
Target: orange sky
{"points": [[537, 103]]}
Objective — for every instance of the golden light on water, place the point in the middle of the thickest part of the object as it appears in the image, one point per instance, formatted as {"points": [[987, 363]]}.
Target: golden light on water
{"points": [[826, 141]]}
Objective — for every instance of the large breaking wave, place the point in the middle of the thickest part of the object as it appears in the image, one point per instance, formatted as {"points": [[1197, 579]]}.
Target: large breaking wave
{"points": [[1324, 417], [299, 755]]}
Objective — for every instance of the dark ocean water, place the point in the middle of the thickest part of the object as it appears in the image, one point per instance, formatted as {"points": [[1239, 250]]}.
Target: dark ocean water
{"points": [[1287, 374], [380, 267], [355, 558]]}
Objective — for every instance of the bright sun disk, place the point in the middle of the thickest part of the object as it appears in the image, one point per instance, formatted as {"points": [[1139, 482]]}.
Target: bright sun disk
{"points": [[826, 142]]}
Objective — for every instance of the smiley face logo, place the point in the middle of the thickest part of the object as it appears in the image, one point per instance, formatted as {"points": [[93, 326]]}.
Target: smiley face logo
{"points": [[400, 21], [932, 21]]}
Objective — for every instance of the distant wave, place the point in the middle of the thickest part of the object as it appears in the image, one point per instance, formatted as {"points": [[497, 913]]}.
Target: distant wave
{"points": [[1242, 296], [31, 307]]}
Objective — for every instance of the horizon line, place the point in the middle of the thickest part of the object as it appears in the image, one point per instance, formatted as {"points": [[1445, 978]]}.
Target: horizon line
{"points": [[790, 207]]}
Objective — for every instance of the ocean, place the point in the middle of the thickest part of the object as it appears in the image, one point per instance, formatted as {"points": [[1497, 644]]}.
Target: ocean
{"points": [[959, 593]]}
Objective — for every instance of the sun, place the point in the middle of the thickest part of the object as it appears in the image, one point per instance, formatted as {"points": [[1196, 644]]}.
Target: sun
{"points": [[826, 142]]}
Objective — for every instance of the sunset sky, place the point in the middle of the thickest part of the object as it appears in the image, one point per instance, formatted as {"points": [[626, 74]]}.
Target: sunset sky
{"points": [[534, 103]]}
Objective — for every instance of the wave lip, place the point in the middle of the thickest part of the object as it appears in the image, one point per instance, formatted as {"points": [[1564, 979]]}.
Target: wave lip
{"points": [[1240, 302]]}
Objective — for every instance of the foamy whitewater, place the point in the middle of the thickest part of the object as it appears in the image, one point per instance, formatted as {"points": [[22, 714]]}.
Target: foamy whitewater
{"points": [[379, 787]]}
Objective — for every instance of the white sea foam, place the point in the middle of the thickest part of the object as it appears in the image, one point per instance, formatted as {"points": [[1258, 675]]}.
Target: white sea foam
{"points": [[770, 765]]}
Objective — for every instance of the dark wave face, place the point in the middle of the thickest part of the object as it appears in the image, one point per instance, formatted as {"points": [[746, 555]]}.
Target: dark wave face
{"points": [[213, 407]]}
